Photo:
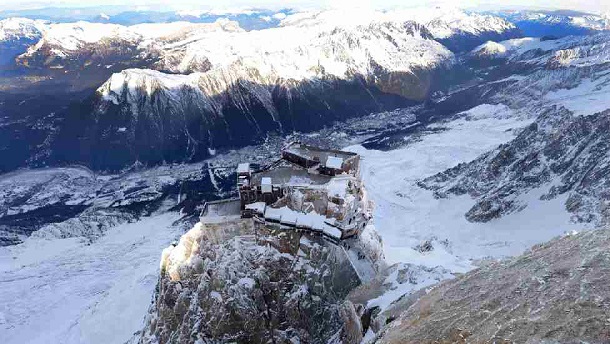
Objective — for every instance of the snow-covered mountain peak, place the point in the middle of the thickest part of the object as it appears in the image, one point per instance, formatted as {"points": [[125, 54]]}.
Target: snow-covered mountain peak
{"points": [[21, 28], [66, 39], [176, 30], [562, 19], [451, 22], [592, 22], [593, 50], [189, 47], [442, 22], [332, 17], [490, 49], [267, 58], [71, 36], [131, 82], [513, 47], [568, 51]]}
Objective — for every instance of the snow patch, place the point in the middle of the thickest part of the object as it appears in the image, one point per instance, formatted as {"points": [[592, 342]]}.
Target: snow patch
{"points": [[61, 290], [407, 216]]}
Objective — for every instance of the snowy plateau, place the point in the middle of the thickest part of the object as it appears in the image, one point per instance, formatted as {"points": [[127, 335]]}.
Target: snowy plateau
{"points": [[483, 155]]}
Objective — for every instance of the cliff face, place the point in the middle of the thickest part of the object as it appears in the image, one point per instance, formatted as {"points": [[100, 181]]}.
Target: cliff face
{"points": [[554, 293], [240, 282]]}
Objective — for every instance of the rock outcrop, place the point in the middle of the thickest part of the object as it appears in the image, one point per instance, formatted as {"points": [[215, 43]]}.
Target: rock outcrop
{"points": [[554, 293], [239, 281], [561, 153]]}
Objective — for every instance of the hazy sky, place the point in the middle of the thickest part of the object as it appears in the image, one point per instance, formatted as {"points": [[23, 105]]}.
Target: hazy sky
{"points": [[595, 6]]}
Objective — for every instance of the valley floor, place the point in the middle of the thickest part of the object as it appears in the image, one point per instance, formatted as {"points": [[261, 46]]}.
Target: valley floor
{"points": [[67, 291]]}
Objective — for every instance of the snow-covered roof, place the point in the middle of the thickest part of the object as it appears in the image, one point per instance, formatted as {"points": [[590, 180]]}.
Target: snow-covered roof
{"points": [[243, 167], [266, 181], [334, 162], [259, 207], [315, 221]]}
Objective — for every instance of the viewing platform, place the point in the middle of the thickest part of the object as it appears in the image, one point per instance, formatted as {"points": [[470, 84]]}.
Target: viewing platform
{"points": [[309, 189]]}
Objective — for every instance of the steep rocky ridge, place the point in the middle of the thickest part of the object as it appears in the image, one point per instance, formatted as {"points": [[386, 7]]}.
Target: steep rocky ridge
{"points": [[458, 30], [77, 45], [554, 293], [563, 154], [461, 32]]}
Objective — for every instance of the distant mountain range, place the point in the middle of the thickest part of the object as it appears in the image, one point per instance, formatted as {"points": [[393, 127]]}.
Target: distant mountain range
{"points": [[178, 91], [530, 22], [556, 23], [249, 19]]}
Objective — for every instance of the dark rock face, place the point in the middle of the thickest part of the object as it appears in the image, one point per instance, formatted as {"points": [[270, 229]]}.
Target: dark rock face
{"points": [[463, 41], [539, 29], [107, 51], [158, 127], [554, 293], [570, 150], [242, 283], [10, 49]]}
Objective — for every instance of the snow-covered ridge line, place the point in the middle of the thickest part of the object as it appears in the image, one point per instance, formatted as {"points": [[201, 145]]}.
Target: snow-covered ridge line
{"points": [[442, 23], [133, 81], [342, 53], [91, 32], [21, 28], [576, 51], [182, 45], [595, 22], [65, 39]]}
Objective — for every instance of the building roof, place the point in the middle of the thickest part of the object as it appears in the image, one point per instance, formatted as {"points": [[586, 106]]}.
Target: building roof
{"points": [[316, 153], [334, 162], [266, 181], [289, 175], [243, 167]]}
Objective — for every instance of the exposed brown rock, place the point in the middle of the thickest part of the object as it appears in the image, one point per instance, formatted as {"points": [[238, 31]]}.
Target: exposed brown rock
{"points": [[555, 293]]}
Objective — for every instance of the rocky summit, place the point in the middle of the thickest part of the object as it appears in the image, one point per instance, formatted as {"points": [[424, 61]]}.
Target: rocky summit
{"points": [[240, 282]]}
